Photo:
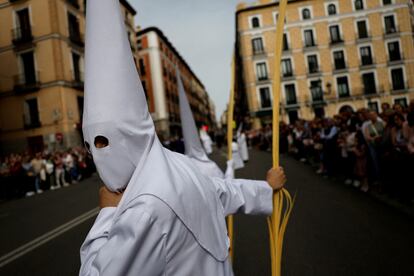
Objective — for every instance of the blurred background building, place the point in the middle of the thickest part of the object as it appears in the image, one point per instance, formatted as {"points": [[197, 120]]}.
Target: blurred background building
{"points": [[41, 72], [337, 55], [157, 62]]}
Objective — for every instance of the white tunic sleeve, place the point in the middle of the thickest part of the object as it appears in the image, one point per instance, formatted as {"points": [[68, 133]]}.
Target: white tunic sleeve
{"points": [[245, 196], [133, 245]]}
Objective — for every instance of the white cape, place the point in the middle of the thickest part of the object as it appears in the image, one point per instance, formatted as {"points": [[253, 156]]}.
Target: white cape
{"points": [[171, 219]]}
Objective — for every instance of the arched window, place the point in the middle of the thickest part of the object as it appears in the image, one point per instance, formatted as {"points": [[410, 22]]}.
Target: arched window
{"points": [[331, 9], [255, 22], [306, 14]]}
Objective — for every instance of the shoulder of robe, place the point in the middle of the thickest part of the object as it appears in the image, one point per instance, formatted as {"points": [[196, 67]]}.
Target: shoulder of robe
{"points": [[160, 213]]}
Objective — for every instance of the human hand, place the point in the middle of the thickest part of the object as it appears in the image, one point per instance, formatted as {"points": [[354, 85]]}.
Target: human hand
{"points": [[276, 178], [108, 198]]}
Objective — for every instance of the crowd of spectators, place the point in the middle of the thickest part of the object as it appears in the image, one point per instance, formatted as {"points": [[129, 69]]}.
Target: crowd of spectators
{"points": [[367, 150], [29, 174]]}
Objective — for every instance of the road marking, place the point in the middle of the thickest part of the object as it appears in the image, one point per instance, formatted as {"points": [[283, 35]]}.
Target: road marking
{"points": [[30, 246]]}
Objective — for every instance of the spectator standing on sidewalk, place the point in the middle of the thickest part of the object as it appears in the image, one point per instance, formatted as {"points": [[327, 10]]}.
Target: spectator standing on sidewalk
{"points": [[59, 171], [373, 134], [37, 165]]}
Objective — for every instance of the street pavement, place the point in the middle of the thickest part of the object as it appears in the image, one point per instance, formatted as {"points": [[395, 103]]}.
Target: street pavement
{"points": [[334, 230]]}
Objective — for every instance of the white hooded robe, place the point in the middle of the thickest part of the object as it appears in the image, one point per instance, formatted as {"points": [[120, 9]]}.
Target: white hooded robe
{"points": [[171, 218]]}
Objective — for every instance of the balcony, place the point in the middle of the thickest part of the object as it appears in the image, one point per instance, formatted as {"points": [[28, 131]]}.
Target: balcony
{"points": [[344, 95], [364, 36], [317, 97], [74, 3], [314, 72], [367, 63], [339, 68], [391, 31], [310, 45], [399, 87], [13, 1], [77, 38], [395, 58], [259, 52], [26, 83], [22, 35], [31, 124], [78, 79], [288, 76], [262, 79], [334, 42]]}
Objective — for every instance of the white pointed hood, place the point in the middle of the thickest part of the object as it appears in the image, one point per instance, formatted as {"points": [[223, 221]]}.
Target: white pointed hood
{"points": [[115, 107], [192, 143]]}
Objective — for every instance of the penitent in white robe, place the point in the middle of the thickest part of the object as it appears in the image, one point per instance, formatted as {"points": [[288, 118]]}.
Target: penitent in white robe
{"points": [[193, 147], [149, 239], [171, 218], [207, 142], [238, 161], [242, 143]]}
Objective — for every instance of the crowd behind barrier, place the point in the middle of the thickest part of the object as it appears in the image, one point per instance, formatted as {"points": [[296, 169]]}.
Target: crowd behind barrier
{"points": [[367, 150], [29, 174]]}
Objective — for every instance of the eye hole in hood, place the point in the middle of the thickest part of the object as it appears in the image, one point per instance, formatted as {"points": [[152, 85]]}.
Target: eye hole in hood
{"points": [[101, 142]]}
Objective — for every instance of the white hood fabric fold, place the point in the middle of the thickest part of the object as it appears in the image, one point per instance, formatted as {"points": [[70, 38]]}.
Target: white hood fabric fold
{"points": [[192, 143], [115, 107]]}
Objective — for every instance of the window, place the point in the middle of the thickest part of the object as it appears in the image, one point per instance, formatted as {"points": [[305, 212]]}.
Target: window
{"points": [[335, 34], [368, 80], [76, 67], [339, 59], [331, 9], [373, 106], [293, 116], [359, 5], [141, 67], [29, 73], [362, 29], [277, 17], [313, 64], [401, 101], [309, 40], [31, 114], [144, 86], [287, 69], [316, 91], [306, 14], [265, 100], [261, 70], [257, 44], [23, 32], [397, 76], [79, 100], [74, 31], [389, 23], [255, 22], [290, 94], [285, 43], [366, 55], [386, 2], [343, 87], [394, 51]]}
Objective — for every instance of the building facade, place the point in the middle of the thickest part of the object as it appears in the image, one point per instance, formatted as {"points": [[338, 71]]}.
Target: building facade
{"points": [[157, 66], [337, 55], [41, 72]]}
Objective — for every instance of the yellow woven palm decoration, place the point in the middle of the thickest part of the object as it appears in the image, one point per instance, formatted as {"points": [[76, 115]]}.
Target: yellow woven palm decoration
{"points": [[282, 201]]}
